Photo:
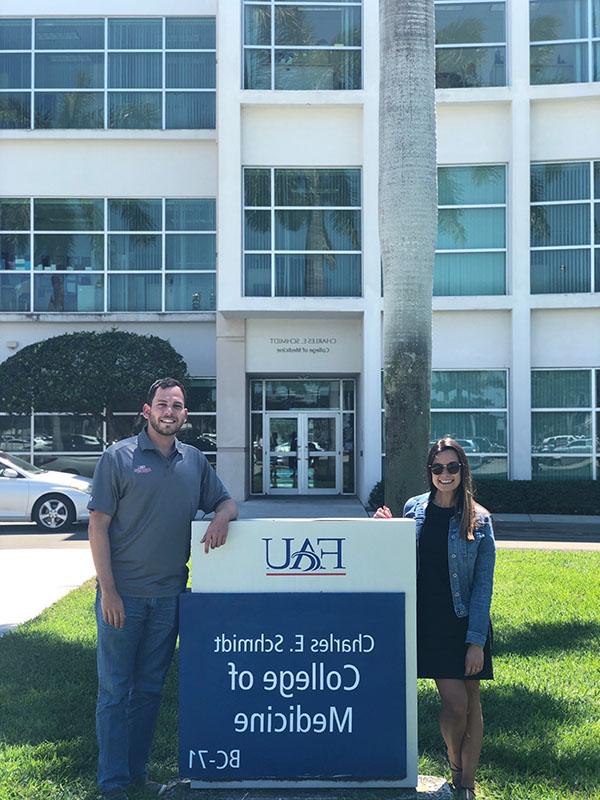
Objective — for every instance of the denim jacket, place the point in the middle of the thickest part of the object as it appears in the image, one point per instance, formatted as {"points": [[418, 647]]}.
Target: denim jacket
{"points": [[470, 566]]}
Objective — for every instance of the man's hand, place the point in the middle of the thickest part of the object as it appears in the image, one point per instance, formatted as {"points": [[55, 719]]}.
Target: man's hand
{"points": [[216, 533], [473, 659], [113, 611]]}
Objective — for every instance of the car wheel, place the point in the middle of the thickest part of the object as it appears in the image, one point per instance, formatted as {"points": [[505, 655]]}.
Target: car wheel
{"points": [[53, 513]]}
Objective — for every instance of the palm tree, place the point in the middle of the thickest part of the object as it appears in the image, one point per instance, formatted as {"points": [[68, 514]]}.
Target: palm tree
{"points": [[407, 230]]}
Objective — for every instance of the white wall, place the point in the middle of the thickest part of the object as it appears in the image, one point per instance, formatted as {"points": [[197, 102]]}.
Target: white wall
{"points": [[80, 168], [477, 339], [473, 133], [42, 8], [194, 341], [565, 338], [565, 129]]}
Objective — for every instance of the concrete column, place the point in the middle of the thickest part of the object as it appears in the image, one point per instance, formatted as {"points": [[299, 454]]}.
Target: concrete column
{"points": [[518, 245], [369, 388], [232, 414]]}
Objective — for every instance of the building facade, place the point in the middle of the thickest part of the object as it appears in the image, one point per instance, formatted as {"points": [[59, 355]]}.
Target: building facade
{"points": [[206, 171]]}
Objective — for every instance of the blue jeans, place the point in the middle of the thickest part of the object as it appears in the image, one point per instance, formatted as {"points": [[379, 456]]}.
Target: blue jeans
{"points": [[132, 666]]}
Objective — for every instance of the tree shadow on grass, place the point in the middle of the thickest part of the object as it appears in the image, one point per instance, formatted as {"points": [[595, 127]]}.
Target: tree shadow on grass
{"points": [[520, 736], [541, 638]]}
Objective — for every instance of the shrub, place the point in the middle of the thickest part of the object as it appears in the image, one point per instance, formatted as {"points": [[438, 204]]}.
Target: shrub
{"points": [[527, 497]]}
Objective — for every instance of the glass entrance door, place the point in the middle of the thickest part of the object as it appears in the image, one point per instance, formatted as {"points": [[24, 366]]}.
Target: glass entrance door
{"points": [[303, 452]]}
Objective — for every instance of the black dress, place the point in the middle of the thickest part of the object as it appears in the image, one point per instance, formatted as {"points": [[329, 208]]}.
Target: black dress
{"points": [[441, 646]]}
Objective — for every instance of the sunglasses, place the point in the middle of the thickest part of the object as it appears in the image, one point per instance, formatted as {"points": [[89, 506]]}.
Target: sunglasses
{"points": [[453, 467]]}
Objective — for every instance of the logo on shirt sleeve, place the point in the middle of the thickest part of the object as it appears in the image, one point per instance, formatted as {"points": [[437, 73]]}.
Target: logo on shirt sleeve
{"points": [[142, 469]]}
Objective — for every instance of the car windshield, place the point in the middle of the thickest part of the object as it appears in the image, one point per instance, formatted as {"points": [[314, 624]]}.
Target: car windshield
{"points": [[21, 464]]}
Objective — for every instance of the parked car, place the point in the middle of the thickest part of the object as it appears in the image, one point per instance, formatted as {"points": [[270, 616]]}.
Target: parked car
{"points": [[53, 500]]}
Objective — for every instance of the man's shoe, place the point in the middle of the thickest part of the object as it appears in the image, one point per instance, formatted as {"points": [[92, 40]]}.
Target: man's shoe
{"points": [[151, 787]]}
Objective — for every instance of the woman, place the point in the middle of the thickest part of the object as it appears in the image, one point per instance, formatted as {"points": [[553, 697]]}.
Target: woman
{"points": [[456, 555]]}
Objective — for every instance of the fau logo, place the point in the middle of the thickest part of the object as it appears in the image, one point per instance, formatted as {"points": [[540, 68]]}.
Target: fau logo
{"points": [[323, 558]]}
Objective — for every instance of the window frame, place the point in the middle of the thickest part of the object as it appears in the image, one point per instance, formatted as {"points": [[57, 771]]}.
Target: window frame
{"points": [[590, 42]]}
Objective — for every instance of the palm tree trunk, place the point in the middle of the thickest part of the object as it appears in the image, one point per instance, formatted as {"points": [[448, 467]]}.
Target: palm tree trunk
{"points": [[407, 219]]}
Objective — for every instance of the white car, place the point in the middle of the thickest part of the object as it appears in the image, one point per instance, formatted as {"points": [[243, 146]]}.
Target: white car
{"points": [[53, 500]]}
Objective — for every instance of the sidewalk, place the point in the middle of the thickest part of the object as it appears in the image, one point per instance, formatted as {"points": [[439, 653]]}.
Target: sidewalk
{"points": [[33, 578]]}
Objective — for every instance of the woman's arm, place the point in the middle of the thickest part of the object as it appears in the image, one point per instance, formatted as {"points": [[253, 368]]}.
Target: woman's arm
{"points": [[483, 583]]}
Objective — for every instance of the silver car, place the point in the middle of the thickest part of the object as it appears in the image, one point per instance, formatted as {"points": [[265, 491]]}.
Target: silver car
{"points": [[53, 500]]}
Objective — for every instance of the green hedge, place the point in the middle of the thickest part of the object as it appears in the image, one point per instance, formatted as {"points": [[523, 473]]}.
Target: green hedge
{"points": [[528, 497]]}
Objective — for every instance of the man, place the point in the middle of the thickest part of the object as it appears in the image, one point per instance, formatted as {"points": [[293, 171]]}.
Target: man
{"points": [[145, 494]]}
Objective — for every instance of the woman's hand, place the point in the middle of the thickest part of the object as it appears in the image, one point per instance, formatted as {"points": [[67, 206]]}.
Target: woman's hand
{"points": [[473, 659], [382, 512]]}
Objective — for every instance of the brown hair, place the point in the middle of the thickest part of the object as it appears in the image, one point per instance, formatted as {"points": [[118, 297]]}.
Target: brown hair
{"points": [[164, 383], [465, 501]]}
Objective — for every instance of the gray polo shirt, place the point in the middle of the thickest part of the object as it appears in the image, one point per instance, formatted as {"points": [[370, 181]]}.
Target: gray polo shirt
{"points": [[152, 500]]}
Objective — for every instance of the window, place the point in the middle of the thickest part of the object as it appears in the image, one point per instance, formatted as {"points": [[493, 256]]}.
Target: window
{"points": [[564, 442], [108, 73], [565, 41], [470, 40], [471, 407], [74, 442], [302, 233], [565, 227], [95, 255], [471, 245], [303, 45]]}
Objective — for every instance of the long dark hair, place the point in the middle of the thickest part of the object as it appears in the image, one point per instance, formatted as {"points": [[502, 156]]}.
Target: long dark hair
{"points": [[465, 501]]}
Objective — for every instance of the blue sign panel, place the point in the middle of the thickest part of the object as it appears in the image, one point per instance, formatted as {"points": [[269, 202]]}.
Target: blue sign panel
{"points": [[292, 687]]}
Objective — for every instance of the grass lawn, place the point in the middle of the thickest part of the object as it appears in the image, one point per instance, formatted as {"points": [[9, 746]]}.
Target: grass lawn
{"points": [[542, 713]]}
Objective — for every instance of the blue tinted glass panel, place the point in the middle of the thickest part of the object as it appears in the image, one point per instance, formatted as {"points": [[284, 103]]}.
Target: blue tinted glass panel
{"points": [[15, 110], [318, 276], [557, 431], [257, 230], [69, 70], [191, 33], [257, 69], [257, 25], [559, 271], [317, 187], [15, 71], [14, 251], [257, 187], [134, 215], [466, 228], [300, 25], [68, 293], [317, 69], [567, 181], [135, 34], [72, 251], [470, 23], [190, 215], [68, 215], [564, 388], [469, 274], [14, 291], [15, 34], [557, 19], [558, 63], [257, 277], [191, 110], [468, 67], [134, 70], [134, 293], [190, 71], [475, 431], [190, 251], [69, 34], [317, 230], [560, 225], [134, 251], [14, 214], [458, 186], [69, 110], [468, 389], [135, 110], [561, 468], [190, 292]]}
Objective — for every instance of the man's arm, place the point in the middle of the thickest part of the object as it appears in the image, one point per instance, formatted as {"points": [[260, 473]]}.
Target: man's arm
{"points": [[113, 611], [216, 533]]}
